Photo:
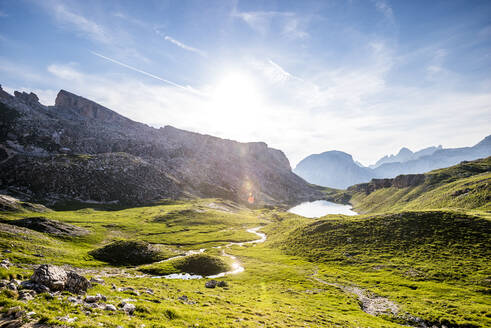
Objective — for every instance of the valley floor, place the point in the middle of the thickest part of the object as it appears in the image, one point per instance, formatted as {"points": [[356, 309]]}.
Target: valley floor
{"points": [[282, 286]]}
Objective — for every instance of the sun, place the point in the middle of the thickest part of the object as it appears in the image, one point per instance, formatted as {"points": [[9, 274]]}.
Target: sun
{"points": [[234, 87], [235, 96]]}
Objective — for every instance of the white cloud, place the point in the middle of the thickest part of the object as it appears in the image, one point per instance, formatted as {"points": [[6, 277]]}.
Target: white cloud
{"points": [[184, 46], [65, 72], [291, 25], [435, 66], [81, 24], [293, 29], [383, 7], [144, 72]]}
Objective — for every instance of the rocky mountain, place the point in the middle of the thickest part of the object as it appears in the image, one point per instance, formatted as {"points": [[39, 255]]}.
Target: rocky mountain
{"points": [[328, 170], [346, 172], [79, 150]]}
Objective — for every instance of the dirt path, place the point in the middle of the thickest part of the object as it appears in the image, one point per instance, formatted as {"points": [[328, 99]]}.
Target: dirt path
{"points": [[376, 305], [370, 303]]}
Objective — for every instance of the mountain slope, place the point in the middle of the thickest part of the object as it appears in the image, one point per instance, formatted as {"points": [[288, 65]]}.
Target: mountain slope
{"points": [[463, 186], [347, 172], [130, 162]]}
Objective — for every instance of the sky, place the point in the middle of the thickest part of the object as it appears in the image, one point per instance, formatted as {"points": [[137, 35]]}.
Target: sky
{"points": [[360, 76]]}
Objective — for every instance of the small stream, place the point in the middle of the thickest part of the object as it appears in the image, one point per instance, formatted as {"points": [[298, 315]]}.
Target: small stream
{"points": [[320, 208], [236, 265]]}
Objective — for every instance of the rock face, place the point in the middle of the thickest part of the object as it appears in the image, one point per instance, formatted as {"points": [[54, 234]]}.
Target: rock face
{"points": [[12, 204], [57, 279], [82, 151], [49, 226], [401, 181]]}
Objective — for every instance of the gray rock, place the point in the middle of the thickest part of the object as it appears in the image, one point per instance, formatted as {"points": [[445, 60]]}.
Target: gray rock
{"points": [[110, 307], [12, 286], [127, 307], [93, 298], [27, 295], [211, 284], [72, 299], [41, 289], [5, 264], [57, 279], [222, 283], [50, 276], [95, 280], [15, 312], [76, 283], [15, 281], [27, 284]]}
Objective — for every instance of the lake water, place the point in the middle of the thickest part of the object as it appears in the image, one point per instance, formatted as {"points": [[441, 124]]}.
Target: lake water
{"points": [[320, 208]]}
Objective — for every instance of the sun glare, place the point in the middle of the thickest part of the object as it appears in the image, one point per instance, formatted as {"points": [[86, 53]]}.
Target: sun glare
{"points": [[235, 99]]}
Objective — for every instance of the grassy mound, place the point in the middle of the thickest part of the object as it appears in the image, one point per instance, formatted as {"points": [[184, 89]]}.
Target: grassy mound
{"points": [[202, 264], [427, 234], [129, 253]]}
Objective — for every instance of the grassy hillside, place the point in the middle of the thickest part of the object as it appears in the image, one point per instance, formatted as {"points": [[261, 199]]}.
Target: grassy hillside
{"points": [[464, 186], [434, 264], [275, 290], [416, 268]]}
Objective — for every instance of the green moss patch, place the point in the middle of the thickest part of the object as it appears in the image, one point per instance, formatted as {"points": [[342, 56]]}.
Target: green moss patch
{"points": [[201, 264]]}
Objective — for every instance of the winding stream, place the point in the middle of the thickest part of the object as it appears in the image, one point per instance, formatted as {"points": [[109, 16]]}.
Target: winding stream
{"points": [[236, 265]]}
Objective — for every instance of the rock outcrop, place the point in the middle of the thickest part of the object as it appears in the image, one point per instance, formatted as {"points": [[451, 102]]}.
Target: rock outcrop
{"points": [[82, 151], [56, 279], [49, 226], [401, 181]]}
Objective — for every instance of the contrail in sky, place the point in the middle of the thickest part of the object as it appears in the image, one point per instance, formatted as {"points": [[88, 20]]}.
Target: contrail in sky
{"points": [[146, 73]]}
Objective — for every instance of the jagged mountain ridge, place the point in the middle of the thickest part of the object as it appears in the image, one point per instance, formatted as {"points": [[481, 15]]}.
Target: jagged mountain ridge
{"points": [[80, 150], [404, 155], [327, 170]]}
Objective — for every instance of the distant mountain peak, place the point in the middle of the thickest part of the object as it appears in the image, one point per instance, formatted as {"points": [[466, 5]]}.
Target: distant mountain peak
{"points": [[336, 153], [404, 151]]}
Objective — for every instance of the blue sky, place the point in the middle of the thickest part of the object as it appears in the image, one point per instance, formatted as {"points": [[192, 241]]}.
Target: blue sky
{"points": [[365, 77]]}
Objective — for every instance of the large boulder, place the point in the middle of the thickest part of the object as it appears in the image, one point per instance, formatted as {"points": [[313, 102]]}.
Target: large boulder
{"points": [[50, 276], [57, 279], [76, 283]]}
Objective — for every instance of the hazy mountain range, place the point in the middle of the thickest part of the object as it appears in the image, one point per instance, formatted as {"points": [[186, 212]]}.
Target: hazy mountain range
{"points": [[337, 169]]}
